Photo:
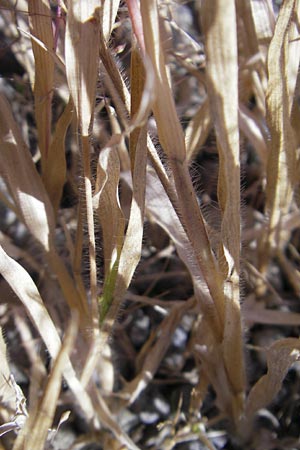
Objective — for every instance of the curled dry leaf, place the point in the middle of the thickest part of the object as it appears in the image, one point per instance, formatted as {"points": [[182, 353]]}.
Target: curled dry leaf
{"points": [[107, 204], [131, 249], [125, 252], [280, 356], [281, 161], [24, 183]]}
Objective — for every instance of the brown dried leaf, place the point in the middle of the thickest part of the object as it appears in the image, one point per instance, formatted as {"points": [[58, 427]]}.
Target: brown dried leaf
{"points": [[24, 287], [136, 20], [22, 284], [171, 136], [280, 356], [281, 161], [54, 176], [41, 28], [161, 210], [109, 9], [219, 24], [36, 430], [198, 130], [132, 247], [264, 21], [251, 129], [120, 95], [125, 261], [157, 350], [30, 198], [270, 317], [172, 140], [82, 56], [294, 54], [107, 205], [23, 181], [290, 272], [82, 42], [110, 422]]}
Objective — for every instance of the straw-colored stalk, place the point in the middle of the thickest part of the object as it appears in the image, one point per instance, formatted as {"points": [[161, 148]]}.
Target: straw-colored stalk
{"points": [[222, 277], [81, 53], [281, 162]]}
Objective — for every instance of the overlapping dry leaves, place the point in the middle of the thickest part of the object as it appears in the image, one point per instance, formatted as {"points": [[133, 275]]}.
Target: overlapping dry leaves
{"points": [[149, 161]]}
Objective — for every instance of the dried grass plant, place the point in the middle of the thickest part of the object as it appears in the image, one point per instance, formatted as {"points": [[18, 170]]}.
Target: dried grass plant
{"points": [[131, 165]]}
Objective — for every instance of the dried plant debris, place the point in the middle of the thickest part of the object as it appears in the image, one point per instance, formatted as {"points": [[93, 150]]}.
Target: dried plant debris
{"points": [[149, 224]]}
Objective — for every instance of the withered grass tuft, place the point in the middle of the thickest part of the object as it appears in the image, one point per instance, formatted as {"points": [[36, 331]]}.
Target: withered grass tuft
{"points": [[111, 111]]}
